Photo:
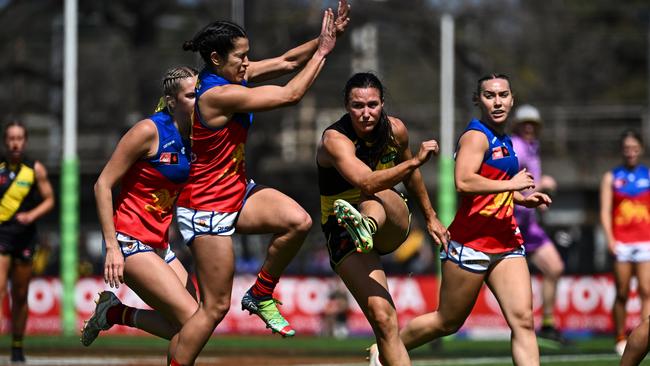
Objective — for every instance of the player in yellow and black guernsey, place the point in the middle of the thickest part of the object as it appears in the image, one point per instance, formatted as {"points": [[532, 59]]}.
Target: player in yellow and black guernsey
{"points": [[360, 159], [25, 195]]}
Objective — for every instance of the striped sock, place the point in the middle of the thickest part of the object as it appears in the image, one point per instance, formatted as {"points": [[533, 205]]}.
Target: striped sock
{"points": [[120, 314], [373, 225], [548, 321], [264, 285]]}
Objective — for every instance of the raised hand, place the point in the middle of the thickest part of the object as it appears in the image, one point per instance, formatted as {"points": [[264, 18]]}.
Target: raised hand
{"points": [[426, 149], [522, 180], [327, 38], [342, 17]]}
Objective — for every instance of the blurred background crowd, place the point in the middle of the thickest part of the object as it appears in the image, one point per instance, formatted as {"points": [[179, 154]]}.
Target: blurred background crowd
{"points": [[584, 64]]}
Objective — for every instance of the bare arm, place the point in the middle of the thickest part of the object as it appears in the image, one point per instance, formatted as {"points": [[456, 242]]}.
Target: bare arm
{"points": [[47, 195], [296, 57], [416, 188], [275, 67], [472, 147], [220, 103], [535, 199], [338, 151], [140, 141], [606, 196]]}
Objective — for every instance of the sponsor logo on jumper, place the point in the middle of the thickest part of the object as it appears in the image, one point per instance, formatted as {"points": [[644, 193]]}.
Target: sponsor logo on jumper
{"points": [[169, 158], [500, 152]]}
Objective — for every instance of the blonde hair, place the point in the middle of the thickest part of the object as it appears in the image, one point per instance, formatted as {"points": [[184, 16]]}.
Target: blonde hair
{"points": [[172, 83]]}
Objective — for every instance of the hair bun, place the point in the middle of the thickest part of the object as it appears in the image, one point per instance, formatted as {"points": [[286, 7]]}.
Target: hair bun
{"points": [[189, 46]]}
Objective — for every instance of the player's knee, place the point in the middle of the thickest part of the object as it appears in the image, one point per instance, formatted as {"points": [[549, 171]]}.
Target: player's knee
{"points": [[300, 222], [621, 295], [451, 326], [19, 295], [523, 319], [644, 293], [217, 310], [383, 318], [555, 272]]}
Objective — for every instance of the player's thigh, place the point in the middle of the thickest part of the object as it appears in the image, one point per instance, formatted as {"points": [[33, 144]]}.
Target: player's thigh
{"points": [[214, 260], [547, 259], [5, 267], [643, 277], [459, 289], [623, 272], [21, 274], [509, 281], [183, 276], [268, 210], [159, 286], [396, 227]]}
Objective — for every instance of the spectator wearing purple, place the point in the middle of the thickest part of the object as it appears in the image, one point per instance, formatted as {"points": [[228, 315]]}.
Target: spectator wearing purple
{"points": [[539, 247]]}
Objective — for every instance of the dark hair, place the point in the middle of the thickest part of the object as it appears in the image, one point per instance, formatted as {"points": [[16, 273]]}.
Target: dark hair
{"points": [[217, 36], [479, 84], [14, 123], [382, 134], [633, 134]]}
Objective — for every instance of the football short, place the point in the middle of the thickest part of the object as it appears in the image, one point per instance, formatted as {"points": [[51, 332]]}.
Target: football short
{"points": [[632, 252], [130, 246], [339, 243], [18, 241], [474, 260], [193, 223]]}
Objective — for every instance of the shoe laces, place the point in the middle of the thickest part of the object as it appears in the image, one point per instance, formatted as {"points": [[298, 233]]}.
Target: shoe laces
{"points": [[270, 311]]}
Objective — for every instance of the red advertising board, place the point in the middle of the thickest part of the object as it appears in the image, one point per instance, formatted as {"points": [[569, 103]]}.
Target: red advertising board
{"points": [[583, 304]]}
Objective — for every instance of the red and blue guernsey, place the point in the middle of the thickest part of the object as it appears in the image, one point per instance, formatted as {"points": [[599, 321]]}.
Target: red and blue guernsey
{"points": [[218, 174], [631, 204], [144, 207], [486, 222]]}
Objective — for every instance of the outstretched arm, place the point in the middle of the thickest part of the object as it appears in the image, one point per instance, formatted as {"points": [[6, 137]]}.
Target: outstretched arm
{"points": [[296, 57], [220, 103]]}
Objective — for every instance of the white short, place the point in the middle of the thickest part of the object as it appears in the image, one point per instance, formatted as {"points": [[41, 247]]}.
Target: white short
{"points": [[130, 246], [474, 260], [632, 252], [193, 223]]}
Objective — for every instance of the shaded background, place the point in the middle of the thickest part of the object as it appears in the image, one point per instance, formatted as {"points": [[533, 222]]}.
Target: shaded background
{"points": [[584, 64]]}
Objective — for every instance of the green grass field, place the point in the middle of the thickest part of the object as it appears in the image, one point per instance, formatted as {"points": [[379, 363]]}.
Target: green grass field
{"points": [[459, 352]]}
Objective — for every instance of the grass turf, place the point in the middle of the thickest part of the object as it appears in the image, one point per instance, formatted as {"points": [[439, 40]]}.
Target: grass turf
{"points": [[456, 351]]}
